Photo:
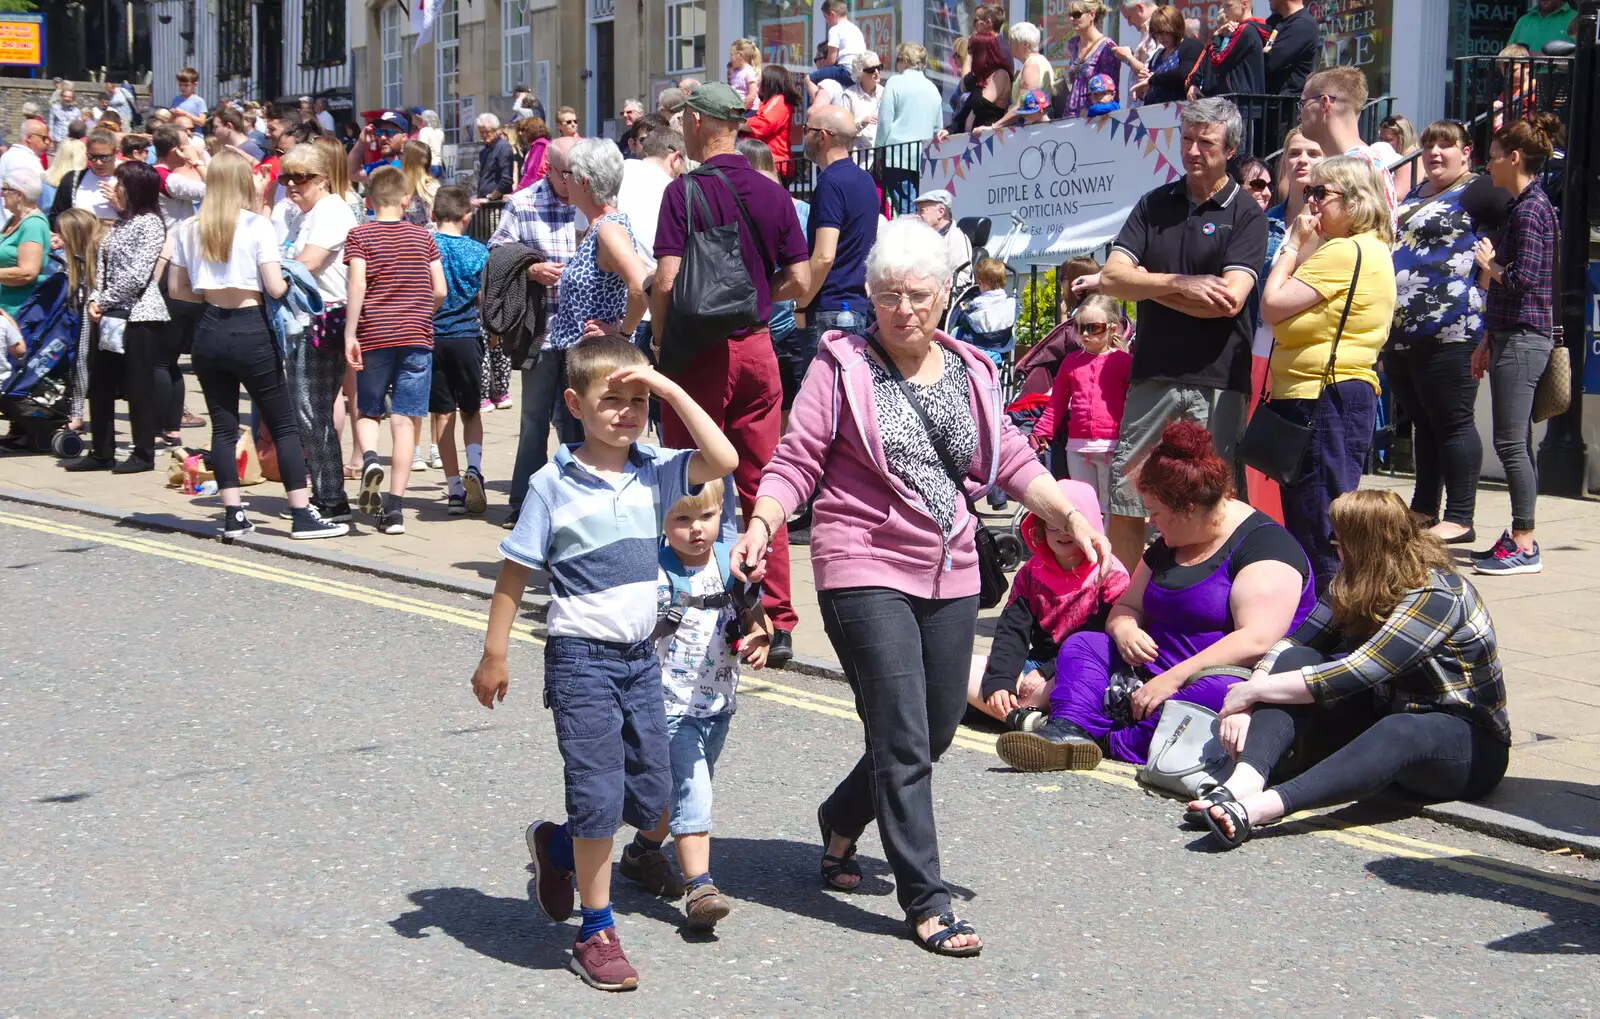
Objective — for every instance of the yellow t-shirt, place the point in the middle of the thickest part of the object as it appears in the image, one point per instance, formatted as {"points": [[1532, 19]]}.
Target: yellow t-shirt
{"points": [[1304, 340]]}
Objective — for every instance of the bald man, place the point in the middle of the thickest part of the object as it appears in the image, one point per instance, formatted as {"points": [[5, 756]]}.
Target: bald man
{"points": [[843, 225]]}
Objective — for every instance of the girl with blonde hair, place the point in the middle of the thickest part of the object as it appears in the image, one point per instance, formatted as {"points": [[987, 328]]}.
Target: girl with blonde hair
{"points": [[1420, 702], [419, 183], [80, 232], [744, 71], [228, 257]]}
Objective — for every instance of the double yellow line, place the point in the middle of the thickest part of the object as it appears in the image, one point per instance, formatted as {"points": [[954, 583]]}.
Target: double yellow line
{"points": [[1367, 838]]}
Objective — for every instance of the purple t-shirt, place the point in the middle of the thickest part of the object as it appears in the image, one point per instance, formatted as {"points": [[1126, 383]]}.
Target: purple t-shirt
{"points": [[778, 242]]}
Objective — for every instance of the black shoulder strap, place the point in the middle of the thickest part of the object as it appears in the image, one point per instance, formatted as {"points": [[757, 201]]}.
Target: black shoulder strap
{"points": [[1327, 373], [915, 402], [711, 171]]}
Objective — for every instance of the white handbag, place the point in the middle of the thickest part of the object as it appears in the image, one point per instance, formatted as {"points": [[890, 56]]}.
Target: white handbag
{"points": [[111, 333], [1186, 753]]}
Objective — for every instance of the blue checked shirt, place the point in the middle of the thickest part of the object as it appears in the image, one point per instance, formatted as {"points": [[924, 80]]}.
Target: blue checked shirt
{"points": [[1435, 652], [536, 217], [1521, 298]]}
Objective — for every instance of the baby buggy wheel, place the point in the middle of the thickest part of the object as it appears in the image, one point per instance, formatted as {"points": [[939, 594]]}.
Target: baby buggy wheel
{"points": [[67, 444], [1012, 551]]}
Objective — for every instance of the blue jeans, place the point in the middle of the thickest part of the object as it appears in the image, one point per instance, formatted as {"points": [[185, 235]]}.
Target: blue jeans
{"points": [[542, 386], [1342, 421], [405, 373], [797, 348], [695, 743], [611, 729]]}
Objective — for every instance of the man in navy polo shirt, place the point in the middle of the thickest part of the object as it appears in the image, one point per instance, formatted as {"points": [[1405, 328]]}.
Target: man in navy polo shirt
{"points": [[1188, 253], [840, 232], [736, 379]]}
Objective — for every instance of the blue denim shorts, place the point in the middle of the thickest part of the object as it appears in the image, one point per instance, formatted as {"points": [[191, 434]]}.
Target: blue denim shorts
{"points": [[406, 373], [611, 729], [696, 744]]}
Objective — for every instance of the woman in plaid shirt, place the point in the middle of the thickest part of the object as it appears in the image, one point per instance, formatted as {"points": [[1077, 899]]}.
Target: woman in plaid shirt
{"points": [[1396, 670]]}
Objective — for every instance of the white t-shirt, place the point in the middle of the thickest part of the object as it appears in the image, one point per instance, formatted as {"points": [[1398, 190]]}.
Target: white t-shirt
{"points": [[253, 246], [326, 226], [286, 217], [17, 157], [846, 37], [325, 121], [698, 673], [89, 196], [643, 184], [832, 90]]}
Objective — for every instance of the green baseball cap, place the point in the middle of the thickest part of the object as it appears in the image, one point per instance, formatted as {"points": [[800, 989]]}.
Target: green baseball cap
{"points": [[717, 101]]}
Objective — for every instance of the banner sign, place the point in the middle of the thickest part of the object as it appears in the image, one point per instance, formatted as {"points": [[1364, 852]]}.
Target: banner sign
{"points": [[878, 29], [22, 39], [1356, 33], [1071, 182], [785, 41]]}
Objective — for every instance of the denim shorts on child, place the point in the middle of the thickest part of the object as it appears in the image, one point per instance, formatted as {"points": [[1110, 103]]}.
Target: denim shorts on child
{"points": [[611, 729], [405, 373], [696, 745]]}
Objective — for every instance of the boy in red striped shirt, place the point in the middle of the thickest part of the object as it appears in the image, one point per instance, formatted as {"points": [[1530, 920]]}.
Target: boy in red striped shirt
{"points": [[396, 284]]}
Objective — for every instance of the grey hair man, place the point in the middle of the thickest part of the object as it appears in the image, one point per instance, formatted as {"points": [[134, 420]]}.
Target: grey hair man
{"points": [[542, 217], [496, 161], [1189, 253]]}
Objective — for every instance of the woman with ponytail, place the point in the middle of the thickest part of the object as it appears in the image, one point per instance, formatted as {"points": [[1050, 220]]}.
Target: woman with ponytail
{"points": [[1519, 317]]}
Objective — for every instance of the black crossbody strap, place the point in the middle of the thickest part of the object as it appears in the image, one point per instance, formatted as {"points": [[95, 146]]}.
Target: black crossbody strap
{"points": [[711, 171], [934, 437], [1327, 373]]}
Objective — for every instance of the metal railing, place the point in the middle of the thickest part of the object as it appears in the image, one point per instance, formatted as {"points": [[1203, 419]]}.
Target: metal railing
{"points": [[1488, 91], [485, 219], [896, 169]]}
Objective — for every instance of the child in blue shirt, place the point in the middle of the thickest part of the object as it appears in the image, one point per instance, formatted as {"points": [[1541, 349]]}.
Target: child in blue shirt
{"points": [[988, 321], [458, 353], [592, 518]]}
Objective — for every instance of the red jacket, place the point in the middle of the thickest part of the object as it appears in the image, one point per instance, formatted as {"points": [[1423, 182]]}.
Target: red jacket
{"points": [[771, 125]]}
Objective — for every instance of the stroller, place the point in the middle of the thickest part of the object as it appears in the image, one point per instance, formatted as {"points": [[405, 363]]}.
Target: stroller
{"points": [[35, 390], [1024, 412]]}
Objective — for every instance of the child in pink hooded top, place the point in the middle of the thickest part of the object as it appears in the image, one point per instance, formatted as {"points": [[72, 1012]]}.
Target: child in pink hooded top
{"points": [[1056, 593]]}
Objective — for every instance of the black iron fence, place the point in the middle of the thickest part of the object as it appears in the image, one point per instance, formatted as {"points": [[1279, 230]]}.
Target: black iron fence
{"points": [[1486, 92], [895, 168], [485, 219]]}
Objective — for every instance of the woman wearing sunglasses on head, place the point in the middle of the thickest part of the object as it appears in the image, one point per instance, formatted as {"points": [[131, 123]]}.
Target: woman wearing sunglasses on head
{"points": [[1330, 313]]}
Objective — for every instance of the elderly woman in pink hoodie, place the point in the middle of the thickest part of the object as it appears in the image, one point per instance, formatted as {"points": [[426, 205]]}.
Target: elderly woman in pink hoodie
{"points": [[893, 551]]}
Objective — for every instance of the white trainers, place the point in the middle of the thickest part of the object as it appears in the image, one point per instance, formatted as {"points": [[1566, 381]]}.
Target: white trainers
{"points": [[434, 459]]}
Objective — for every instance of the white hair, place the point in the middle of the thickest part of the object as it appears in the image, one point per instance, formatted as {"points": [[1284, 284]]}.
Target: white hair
{"points": [[906, 246], [488, 121], [860, 62], [598, 163], [1024, 33], [430, 118], [28, 179], [634, 102]]}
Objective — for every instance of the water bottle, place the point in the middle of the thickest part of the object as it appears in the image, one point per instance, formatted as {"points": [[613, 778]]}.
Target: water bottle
{"points": [[207, 487], [846, 320]]}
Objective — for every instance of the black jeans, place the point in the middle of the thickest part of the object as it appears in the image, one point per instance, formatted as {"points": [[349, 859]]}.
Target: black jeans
{"points": [[1434, 755], [233, 348], [907, 660], [542, 404], [1433, 384], [176, 340]]}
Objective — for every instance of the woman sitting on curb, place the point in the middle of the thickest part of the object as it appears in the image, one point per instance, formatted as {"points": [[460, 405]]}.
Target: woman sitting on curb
{"points": [[1420, 702], [1220, 586]]}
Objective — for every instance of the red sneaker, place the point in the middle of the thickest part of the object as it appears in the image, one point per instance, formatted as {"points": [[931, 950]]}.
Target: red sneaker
{"points": [[600, 962], [554, 885]]}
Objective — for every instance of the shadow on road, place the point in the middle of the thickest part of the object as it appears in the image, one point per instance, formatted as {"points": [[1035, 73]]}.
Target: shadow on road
{"points": [[510, 930], [1574, 927]]}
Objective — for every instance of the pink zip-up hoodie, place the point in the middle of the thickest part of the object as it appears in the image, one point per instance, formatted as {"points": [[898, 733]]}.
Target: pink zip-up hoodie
{"points": [[868, 528]]}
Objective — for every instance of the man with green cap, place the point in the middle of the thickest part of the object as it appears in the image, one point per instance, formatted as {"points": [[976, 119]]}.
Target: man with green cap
{"points": [[736, 378]]}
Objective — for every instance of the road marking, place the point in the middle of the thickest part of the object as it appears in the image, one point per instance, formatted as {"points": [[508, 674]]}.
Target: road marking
{"points": [[1368, 838]]}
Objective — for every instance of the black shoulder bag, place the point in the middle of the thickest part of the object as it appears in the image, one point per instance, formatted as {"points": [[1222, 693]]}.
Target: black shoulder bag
{"points": [[713, 295], [1273, 444], [992, 581]]}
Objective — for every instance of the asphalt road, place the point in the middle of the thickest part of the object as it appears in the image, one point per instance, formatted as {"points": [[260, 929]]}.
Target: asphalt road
{"points": [[233, 784]]}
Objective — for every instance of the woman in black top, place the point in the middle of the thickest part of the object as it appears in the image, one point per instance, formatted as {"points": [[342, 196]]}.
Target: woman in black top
{"points": [[990, 91], [1162, 79], [1235, 60]]}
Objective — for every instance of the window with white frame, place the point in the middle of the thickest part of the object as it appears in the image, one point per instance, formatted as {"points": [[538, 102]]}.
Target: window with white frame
{"points": [[516, 54], [446, 67], [686, 35], [389, 21]]}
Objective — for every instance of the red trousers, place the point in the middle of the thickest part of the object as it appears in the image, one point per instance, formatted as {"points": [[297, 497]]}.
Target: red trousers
{"points": [[737, 383]]}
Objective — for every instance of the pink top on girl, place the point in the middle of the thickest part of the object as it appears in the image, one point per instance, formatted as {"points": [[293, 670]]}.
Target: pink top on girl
{"points": [[1089, 394]]}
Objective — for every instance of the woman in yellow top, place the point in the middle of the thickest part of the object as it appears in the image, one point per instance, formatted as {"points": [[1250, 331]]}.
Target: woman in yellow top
{"points": [[1303, 301]]}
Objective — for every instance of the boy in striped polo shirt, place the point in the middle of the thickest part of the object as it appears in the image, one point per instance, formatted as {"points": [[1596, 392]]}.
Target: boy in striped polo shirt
{"points": [[396, 284], [592, 519]]}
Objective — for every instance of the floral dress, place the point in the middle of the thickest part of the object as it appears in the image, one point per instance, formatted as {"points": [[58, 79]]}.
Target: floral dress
{"points": [[1435, 275], [588, 291], [1101, 59]]}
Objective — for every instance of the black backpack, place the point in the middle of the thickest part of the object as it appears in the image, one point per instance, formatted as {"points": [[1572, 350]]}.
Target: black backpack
{"points": [[713, 295]]}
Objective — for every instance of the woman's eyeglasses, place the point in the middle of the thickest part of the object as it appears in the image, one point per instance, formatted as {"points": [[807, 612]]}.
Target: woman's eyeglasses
{"points": [[889, 300], [1318, 193]]}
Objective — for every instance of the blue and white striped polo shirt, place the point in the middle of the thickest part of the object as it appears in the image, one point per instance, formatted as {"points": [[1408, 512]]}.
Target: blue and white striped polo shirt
{"points": [[599, 540]]}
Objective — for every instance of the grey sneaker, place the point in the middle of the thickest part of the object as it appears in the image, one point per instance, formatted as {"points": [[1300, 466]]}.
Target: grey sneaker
{"points": [[650, 870]]}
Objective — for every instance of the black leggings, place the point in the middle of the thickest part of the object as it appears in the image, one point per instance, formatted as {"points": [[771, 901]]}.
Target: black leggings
{"points": [[1433, 755], [234, 347], [176, 338]]}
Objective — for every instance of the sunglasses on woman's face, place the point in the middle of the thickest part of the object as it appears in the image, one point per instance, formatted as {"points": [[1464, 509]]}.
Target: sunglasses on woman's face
{"points": [[1259, 184], [1094, 328], [296, 179], [1318, 193]]}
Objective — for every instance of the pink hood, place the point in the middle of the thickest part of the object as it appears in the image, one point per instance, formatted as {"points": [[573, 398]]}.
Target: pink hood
{"points": [[1083, 499], [869, 529]]}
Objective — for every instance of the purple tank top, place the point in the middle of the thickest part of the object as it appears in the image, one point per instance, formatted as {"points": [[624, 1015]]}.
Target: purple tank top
{"points": [[1186, 620]]}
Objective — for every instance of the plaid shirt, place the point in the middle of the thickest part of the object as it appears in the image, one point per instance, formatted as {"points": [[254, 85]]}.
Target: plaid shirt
{"points": [[536, 217], [1435, 652], [1522, 297]]}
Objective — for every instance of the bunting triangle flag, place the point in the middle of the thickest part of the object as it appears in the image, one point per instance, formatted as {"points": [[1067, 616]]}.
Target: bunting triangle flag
{"points": [[1139, 135], [951, 187], [1161, 162], [961, 173], [991, 145], [966, 158], [1127, 129]]}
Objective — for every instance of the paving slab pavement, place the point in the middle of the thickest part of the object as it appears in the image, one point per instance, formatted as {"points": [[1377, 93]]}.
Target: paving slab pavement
{"points": [[1546, 623]]}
